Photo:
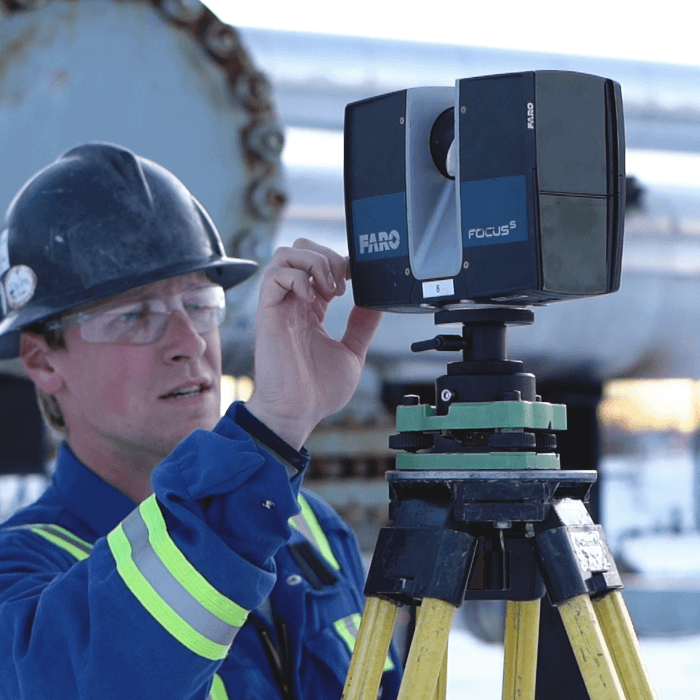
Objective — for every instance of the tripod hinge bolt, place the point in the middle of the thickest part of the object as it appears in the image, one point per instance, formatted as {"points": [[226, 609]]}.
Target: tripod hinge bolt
{"points": [[446, 395]]}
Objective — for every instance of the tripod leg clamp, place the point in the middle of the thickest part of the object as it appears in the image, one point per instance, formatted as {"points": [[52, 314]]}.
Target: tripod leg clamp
{"points": [[573, 555], [410, 564]]}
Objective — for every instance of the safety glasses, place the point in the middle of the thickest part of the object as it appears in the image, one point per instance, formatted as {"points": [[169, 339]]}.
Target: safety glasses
{"points": [[145, 320]]}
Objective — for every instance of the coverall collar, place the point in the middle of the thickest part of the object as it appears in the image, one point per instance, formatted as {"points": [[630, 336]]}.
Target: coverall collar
{"points": [[87, 495]]}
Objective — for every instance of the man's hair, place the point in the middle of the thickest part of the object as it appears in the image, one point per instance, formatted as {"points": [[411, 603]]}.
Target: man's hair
{"points": [[48, 404]]}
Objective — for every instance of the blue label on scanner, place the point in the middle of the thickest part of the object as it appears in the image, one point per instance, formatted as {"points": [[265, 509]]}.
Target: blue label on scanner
{"points": [[379, 227], [494, 211]]}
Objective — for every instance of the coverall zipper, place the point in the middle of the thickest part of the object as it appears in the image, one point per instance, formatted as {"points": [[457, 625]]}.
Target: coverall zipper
{"points": [[279, 658]]}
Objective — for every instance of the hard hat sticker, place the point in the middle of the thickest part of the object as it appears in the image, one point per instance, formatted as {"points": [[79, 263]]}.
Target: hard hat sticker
{"points": [[20, 284]]}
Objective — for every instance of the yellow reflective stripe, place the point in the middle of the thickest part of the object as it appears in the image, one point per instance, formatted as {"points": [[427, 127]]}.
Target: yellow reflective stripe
{"points": [[155, 605], [318, 536], [343, 630], [178, 565], [62, 538], [347, 629], [73, 551], [218, 689]]}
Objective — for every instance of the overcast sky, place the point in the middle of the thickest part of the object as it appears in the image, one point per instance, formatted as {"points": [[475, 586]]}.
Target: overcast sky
{"points": [[666, 31]]}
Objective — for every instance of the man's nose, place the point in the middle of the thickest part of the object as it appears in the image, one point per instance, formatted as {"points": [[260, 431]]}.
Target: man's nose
{"points": [[181, 340]]}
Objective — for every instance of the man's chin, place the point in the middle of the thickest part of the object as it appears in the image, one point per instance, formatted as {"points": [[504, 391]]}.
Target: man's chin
{"points": [[202, 423]]}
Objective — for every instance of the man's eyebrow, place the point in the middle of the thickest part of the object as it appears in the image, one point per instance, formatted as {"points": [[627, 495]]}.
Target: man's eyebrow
{"points": [[109, 304], [134, 296]]}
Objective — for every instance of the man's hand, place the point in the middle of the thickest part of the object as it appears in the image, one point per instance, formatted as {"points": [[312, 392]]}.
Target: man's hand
{"points": [[302, 374]]}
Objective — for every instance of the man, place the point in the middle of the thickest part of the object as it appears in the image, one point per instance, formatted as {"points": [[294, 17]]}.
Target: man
{"points": [[112, 282]]}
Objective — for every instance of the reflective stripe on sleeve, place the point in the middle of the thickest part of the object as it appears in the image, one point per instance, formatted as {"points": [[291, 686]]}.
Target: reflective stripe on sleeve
{"points": [[307, 523], [218, 689], [170, 588], [67, 541], [348, 629]]}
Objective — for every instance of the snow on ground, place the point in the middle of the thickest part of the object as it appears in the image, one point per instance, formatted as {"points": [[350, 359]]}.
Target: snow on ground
{"points": [[674, 666], [475, 668]]}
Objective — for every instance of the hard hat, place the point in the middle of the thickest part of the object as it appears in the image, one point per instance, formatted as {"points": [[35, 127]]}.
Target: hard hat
{"points": [[97, 221]]}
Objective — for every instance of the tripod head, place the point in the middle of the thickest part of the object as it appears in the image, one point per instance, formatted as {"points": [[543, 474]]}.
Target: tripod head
{"points": [[485, 373], [479, 473], [484, 376]]}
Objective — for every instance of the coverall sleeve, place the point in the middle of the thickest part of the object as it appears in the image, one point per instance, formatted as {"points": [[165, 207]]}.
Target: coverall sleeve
{"points": [[155, 607]]}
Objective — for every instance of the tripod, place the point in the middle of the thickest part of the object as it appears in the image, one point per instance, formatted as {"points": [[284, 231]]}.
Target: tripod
{"points": [[480, 510]]}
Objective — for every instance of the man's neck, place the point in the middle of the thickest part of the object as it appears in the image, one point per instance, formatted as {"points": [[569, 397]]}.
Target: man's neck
{"points": [[128, 470]]}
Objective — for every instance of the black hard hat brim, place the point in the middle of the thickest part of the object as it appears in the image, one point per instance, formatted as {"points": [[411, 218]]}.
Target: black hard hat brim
{"points": [[228, 272]]}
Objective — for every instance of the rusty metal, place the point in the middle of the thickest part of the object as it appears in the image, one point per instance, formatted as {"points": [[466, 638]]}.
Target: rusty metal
{"points": [[185, 11], [267, 197], [221, 40], [266, 140], [25, 4], [261, 138]]}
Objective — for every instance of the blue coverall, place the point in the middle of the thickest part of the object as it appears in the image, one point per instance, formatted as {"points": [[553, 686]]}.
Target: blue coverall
{"points": [[204, 591]]}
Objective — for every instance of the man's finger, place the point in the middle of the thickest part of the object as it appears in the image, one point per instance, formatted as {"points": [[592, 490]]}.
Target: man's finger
{"points": [[362, 325], [316, 265], [279, 282], [338, 264]]}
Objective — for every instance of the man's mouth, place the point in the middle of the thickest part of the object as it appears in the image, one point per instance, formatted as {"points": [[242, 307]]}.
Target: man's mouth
{"points": [[186, 391]]}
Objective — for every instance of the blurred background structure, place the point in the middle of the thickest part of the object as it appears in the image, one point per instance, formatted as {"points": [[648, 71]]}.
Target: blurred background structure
{"points": [[250, 116]]}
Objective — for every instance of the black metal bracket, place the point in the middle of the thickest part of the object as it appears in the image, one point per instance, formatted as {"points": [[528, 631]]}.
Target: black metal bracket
{"points": [[490, 536]]}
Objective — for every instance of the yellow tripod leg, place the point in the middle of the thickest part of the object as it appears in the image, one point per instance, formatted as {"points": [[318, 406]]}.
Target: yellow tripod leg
{"points": [[593, 657], [520, 649], [620, 636], [441, 688], [371, 649], [427, 653]]}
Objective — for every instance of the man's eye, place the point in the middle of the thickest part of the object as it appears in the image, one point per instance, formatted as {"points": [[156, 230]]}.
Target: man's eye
{"points": [[198, 306], [132, 314]]}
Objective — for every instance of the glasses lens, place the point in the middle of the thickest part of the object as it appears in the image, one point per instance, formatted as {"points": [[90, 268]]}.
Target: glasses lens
{"points": [[145, 321], [134, 323], [206, 307]]}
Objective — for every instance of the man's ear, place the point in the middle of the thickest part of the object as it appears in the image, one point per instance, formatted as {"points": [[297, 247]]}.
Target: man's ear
{"points": [[36, 358]]}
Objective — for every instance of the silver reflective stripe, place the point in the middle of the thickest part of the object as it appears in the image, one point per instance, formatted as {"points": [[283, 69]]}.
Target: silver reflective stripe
{"points": [[352, 622], [303, 527], [67, 537], [307, 524], [348, 628], [170, 590]]}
